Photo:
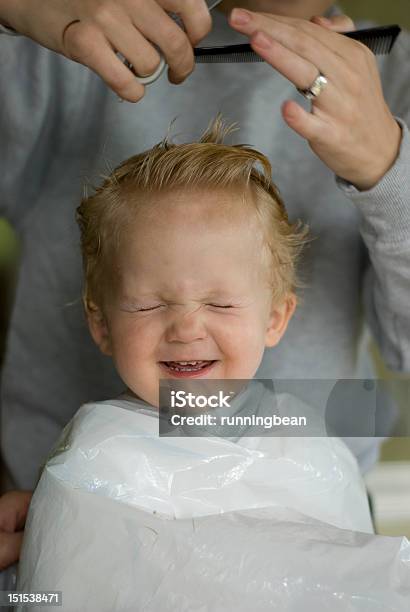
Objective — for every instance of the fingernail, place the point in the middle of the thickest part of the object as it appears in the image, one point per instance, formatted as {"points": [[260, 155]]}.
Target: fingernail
{"points": [[240, 17], [262, 40]]}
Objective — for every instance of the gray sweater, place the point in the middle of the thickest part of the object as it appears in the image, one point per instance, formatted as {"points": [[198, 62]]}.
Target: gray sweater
{"points": [[60, 126]]}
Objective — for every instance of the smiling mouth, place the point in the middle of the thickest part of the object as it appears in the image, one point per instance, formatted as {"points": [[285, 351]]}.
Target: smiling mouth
{"points": [[193, 368], [187, 366]]}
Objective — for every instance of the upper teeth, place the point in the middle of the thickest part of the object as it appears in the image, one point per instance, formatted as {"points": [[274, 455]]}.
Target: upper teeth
{"points": [[188, 362]]}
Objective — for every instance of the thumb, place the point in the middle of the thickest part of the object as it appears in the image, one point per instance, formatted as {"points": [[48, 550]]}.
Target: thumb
{"points": [[337, 23]]}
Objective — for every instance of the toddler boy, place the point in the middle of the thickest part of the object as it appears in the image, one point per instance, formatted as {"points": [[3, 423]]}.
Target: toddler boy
{"points": [[190, 272]]}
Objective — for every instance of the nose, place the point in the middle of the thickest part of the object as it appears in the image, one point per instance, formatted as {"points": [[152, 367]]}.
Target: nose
{"points": [[186, 324]]}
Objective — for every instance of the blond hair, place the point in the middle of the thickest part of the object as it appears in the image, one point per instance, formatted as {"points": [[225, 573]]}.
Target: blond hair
{"points": [[208, 163]]}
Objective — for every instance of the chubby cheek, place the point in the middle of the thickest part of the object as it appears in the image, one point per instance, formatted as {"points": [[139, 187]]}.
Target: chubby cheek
{"points": [[242, 345], [133, 345]]}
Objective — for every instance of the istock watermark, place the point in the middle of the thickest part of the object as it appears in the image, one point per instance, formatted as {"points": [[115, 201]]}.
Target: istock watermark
{"points": [[184, 399], [284, 407]]}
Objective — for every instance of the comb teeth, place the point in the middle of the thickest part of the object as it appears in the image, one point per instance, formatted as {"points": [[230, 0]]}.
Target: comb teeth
{"points": [[379, 40], [244, 56], [379, 46]]}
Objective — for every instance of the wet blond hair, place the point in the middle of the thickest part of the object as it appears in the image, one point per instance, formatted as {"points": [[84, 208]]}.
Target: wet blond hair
{"points": [[209, 163]]}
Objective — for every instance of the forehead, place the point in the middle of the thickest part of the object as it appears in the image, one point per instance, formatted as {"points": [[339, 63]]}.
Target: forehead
{"points": [[186, 211], [194, 236], [194, 216]]}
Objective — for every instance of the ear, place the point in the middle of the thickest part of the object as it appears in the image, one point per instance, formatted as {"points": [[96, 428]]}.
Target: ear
{"points": [[98, 327], [279, 319]]}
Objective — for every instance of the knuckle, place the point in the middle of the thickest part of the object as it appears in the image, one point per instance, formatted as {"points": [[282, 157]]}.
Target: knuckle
{"points": [[177, 42], [316, 139], [103, 13], [78, 42], [301, 44]]}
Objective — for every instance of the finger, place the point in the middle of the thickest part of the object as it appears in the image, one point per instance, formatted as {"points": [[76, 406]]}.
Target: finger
{"points": [[158, 27], [13, 510], [10, 546], [307, 125], [195, 16], [337, 23], [300, 41], [122, 36], [271, 24], [87, 45], [297, 69], [137, 50]]}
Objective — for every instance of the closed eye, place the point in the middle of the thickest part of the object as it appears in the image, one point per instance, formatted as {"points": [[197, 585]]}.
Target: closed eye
{"points": [[221, 305], [147, 309], [132, 309]]}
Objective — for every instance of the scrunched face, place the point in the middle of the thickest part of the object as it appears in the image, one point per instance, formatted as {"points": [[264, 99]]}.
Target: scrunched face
{"points": [[193, 296]]}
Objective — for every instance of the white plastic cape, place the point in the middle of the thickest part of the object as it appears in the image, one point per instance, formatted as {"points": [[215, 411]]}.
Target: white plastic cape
{"points": [[125, 520]]}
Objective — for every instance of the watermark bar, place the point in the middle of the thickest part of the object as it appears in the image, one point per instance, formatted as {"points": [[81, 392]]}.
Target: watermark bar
{"points": [[284, 407], [37, 598]]}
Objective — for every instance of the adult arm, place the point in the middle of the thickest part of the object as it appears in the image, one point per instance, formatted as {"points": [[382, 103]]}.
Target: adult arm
{"points": [[385, 228], [353, 131]]}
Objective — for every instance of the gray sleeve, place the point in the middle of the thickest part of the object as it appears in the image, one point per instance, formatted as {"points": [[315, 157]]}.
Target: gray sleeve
{"points": [[385, 228], [35, 101]]}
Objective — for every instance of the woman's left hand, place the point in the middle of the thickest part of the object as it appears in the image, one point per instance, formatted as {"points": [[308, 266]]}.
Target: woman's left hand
{"points": [[350, 128]]}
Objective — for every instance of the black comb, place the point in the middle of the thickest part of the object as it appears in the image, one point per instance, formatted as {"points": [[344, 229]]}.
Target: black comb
{"points": [[380, 40]]}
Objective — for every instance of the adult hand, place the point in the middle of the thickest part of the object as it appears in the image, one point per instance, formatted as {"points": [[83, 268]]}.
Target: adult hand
{"points": [[350, 127], [13, 511], [91, 31]]}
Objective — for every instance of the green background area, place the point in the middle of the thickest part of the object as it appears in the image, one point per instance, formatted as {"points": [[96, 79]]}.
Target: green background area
{"points": [[380, 11]]}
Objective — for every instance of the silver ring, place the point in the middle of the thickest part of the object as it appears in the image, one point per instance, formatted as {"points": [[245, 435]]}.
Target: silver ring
{"points": [[315, 89], [150, 78]]}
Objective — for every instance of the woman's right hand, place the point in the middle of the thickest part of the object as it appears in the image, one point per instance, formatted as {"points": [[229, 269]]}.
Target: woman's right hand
{"points": [[13, 512], [91, 31]]}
